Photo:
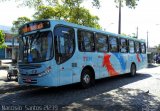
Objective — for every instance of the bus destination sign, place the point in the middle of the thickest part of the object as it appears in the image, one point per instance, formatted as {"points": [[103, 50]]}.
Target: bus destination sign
{"points": [[34, 26]]}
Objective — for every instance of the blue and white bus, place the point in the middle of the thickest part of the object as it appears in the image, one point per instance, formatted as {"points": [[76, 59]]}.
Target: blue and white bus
{"points": [[56, 53]]}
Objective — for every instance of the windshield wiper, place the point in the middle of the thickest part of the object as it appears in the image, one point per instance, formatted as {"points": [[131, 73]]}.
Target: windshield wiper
{"points": [[36, 36]]}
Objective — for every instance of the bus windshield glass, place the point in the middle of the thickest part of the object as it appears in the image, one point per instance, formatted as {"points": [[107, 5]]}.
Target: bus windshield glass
{"points": [[37, 47]]}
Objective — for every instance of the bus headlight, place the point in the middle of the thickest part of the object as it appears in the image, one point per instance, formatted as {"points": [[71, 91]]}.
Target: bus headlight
{"points": [[48, 69]]}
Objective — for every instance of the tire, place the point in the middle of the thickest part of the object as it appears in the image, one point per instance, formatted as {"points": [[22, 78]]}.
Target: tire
{"points": [[87, 79], [133, 70]]}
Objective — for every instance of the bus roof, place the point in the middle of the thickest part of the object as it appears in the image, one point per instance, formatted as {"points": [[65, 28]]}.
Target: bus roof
{"points": [[94, 29], [63, 22]]}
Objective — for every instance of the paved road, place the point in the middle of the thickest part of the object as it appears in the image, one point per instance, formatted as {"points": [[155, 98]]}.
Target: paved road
{"points": [[139, 93]]}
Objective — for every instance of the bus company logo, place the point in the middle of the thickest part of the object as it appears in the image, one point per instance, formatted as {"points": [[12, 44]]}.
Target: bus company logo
{"points": [[87, 59]]}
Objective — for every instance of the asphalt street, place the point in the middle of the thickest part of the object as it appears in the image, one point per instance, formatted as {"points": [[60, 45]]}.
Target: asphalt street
{"points": [[121, 93]]}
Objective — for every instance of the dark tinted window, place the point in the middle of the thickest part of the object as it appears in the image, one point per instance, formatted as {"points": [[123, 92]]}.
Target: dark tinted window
{"points": [[137, 47], [113, 45], [123, 45], [101, 43], [131, 46], [86, 41], [64, 43]]}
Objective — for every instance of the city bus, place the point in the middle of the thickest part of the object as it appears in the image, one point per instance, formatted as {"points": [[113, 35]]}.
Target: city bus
{"points": [[56, 53]]}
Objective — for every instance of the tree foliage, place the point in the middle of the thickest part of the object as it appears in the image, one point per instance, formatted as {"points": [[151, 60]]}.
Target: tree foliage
{"points": [[74, 14], [69, 10], [18, 23], [2, 39], [96, 3], [36, 3], [128, 3], [49, 12]]}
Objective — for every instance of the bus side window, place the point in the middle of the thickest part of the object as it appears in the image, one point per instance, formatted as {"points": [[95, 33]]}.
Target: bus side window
{"points": [[113, 44], [86, 41], [123, 45], [131, 46], [101, 43], [137, 47], [143, 48]]}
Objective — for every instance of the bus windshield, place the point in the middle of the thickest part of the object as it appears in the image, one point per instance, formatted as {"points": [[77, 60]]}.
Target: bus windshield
{"points": [[37, 47]]}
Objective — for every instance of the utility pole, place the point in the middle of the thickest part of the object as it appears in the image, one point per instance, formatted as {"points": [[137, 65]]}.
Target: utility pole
{"points": [[137, 31], [119, 20]]}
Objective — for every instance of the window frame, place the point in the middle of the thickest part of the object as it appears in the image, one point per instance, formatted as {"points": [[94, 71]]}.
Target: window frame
{"points": [[136, 47], [79, 31], [129, 50], [144, 47], [96, 41], [111, 44], [120, 45]]}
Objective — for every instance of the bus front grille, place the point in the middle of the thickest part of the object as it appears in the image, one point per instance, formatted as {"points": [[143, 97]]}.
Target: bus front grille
{"points": [[33, 75]]}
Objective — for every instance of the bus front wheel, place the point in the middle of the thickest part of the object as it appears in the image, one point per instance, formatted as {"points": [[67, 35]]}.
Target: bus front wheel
{"points": [[133, 70], [86, 78]]}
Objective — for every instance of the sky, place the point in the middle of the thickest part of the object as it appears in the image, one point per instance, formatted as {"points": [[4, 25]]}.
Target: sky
{"points": [[145, 16]]}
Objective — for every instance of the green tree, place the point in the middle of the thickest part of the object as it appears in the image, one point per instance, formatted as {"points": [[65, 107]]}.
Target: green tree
{"points": [[2, 39], [49, 12], [69, 10], [36, 3], [96, 3], [78, 15], [18, 23], [82, 16], [129, 3]]}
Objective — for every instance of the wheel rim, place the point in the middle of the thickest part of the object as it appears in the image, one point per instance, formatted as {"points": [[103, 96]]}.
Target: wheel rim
{"points": [[86, 78]]}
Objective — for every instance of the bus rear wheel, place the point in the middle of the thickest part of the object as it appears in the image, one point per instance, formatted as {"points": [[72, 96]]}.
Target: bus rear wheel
{"points": [[86, 78], [133, 70]]}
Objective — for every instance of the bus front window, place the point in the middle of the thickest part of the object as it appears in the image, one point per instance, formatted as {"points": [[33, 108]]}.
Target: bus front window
{"points": [[36, 47]]}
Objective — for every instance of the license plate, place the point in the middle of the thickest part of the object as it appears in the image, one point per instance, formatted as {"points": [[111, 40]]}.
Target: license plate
{"points": [[28, 80]]}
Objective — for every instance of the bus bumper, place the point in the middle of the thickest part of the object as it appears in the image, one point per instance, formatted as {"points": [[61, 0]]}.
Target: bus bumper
{"points": [[46, 80]]}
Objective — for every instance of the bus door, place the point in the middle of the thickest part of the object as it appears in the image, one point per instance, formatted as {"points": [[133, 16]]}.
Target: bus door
{"points": [[64, 50], [65, 73]]}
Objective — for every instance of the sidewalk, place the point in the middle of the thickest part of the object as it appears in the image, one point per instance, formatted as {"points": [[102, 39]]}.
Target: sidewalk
{"points": [[11, 86], [152, 69], [6, 85]]}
